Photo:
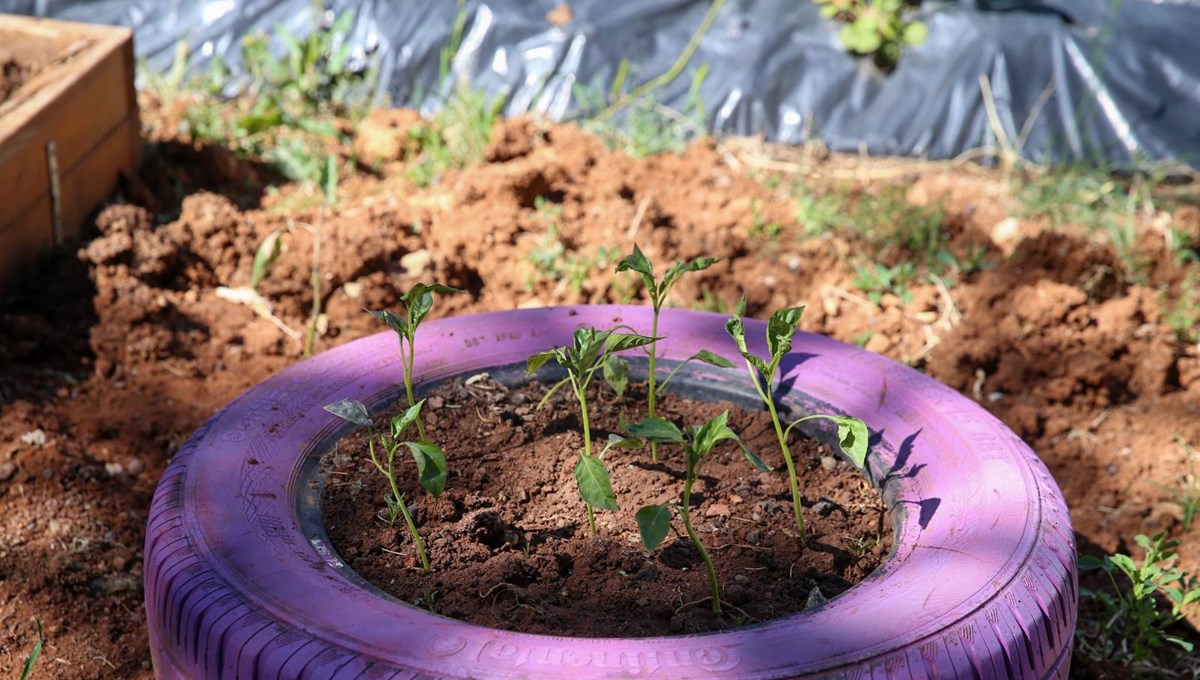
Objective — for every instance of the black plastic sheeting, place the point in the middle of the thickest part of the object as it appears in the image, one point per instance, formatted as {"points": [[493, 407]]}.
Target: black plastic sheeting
{"points": [[1114, 81]]}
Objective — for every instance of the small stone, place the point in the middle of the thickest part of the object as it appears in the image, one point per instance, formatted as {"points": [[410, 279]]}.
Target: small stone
{"points": [[828, 463], [416, 262], [815, 598], [6, 471], [754, 536], [824, 507], [742, 579], [47, 473], [436, 403], [353, 289], [519, 398], [547, 489], [135, 466], [1112, 468], [717, 510], [878, 343], [35, 437], [642, 602], [114, 469], [119, 563]]}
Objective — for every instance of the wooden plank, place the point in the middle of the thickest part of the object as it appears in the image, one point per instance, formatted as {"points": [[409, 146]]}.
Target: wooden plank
{"points": [[93, 94], [87, 107]]}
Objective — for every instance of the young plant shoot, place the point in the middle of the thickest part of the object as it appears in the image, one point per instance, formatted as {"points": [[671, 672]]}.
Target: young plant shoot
{"points": [[639, 264], [417, 303], [586, 355], [431, 462], [654, 521], [781, 329]]}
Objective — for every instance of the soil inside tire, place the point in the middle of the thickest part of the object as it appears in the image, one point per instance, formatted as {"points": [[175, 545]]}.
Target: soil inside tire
{"points": [[509, 541]]}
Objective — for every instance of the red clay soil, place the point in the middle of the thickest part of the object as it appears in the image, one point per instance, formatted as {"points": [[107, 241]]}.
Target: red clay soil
{"points": [[111, 356]]}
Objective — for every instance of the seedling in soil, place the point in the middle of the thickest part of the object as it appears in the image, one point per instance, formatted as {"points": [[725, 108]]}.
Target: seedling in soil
{"points": [[417, 303], [1134, 625], [35, 652], [781, 329], [587, 354], [654, 521], [430, 460], [639, 264]]}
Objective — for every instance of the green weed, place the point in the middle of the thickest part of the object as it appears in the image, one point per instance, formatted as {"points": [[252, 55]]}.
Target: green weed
{"points": [[880, 29], [1182, 315], [876, 279], [1188, 495], [1135, 621], [35, 652], [454, 138]]}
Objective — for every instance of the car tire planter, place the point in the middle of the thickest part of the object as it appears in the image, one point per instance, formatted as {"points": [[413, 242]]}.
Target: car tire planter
{"points": [[242, 583]]}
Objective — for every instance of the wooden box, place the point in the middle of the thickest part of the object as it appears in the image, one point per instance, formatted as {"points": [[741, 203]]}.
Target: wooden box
{"points": [[66, 132]]}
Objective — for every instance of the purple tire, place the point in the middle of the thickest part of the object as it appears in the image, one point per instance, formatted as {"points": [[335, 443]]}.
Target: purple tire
{"points": [[241, 583]]}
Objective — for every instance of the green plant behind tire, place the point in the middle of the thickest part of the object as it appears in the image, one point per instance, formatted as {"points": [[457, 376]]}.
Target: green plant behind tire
{"points": [[880, 29]]}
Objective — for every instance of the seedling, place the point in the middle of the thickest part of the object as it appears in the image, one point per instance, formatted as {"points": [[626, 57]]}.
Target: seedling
{"points": [[35, 652], [639, 264], [417, 303], [430, 460], [781, 329], [582, 359], [654, 521], [1134, 624]]}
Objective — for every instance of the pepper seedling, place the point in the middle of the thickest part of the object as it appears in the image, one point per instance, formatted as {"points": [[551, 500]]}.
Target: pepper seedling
{"points": [[430, 460], [654, 521], [586, 355], [641, 265], [417, 303], [781, 330]]}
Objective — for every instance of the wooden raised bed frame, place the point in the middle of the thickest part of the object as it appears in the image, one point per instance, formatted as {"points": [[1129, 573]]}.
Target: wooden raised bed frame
{"points": [[65, 135]]}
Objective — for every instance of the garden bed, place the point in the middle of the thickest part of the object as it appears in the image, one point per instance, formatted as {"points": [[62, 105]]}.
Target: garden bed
{"points": [[127, 347]]}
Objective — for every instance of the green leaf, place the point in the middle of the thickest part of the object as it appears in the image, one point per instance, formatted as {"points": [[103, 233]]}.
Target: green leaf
{"points": [[618, 342], [401, 422], [397, 324], [533, 363], [852, 438], [781, 329], [351, 410], [758, 364], [915, 33], [639, 264], [657, 430], [1090, 563], [616, 373], [265, 256], [755, 460], [709, 434], [35, 652], [712, 359], [678, 269], [654, 523], [419, 300], [616, 441], [594, 485], [1125, 564], [431, 466]]}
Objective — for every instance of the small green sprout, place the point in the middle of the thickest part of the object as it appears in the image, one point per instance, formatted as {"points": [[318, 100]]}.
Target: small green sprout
{"points": [[781, 329], [582, 359], [35, 652], [417, 303], [430, 460], [654, 521], [639, 264]]}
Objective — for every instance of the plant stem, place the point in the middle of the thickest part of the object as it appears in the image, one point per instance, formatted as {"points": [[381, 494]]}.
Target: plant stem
{"points": [[787, 454], [587, 445], [687, 524], [311, 339], [412, 528], [653, 391], [406, 360]]}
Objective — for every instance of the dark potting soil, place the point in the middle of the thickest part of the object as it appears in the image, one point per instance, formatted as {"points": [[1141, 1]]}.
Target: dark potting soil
{"points": [[13, 74], [509, 540]]}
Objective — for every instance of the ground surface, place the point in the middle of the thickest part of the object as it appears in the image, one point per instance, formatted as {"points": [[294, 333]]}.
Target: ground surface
{"points": [[111, 356]]}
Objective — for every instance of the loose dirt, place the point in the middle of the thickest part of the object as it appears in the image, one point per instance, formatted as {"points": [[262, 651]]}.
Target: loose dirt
{"points": [[13, 74], [115, 352], [509, 540]]}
